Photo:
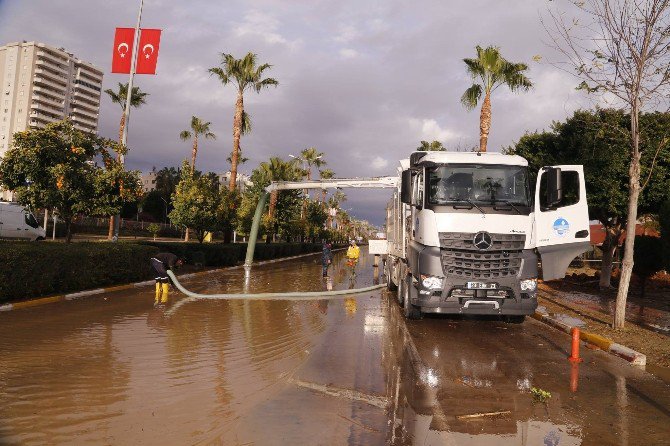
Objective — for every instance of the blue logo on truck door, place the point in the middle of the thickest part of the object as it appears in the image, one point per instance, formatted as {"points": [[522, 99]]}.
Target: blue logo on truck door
{"points": [[561, 227]]}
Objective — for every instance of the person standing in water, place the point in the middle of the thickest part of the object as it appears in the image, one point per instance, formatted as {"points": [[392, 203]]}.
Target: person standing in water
{"points": [[353, 253], [326, 257], [160, 263]]}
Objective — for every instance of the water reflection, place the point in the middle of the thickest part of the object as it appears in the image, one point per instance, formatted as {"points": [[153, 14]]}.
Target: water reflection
{"points": [[121, 371]]}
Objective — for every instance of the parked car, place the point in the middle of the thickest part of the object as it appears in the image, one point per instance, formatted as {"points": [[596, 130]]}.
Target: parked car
{"points": [[17, 222]]}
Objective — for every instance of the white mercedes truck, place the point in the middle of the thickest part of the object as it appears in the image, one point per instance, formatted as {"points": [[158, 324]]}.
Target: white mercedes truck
{"points": [[466, 232]]}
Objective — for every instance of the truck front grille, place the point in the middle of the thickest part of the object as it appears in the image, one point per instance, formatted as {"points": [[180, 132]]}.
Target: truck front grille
{"points": [[461, 258]]}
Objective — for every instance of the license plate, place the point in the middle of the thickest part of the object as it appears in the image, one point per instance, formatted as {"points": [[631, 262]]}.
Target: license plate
{"points": [[481, 286]]}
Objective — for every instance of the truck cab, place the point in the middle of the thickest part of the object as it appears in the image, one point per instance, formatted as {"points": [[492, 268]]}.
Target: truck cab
{"points": [[17, 222], [466, 232]]}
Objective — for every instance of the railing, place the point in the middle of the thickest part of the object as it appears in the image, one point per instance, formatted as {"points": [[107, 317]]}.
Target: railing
{"points": [[125, 223]]}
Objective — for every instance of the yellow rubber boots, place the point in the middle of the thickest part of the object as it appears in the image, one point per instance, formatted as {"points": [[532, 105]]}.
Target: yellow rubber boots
{"points": [[158, 292], [166, 288]]}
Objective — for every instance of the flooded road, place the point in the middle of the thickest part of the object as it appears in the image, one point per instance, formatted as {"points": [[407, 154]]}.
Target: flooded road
{"points": [[112, 369]]}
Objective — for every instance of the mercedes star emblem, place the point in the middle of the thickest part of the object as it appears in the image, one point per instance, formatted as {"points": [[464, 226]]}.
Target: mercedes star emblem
{"points": [[482, 241]]}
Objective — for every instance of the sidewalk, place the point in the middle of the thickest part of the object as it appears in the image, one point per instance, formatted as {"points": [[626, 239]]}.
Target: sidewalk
{"points": [[591, 312]]}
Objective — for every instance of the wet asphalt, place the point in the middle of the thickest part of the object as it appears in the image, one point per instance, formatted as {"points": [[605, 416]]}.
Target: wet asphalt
{"points": [[113, 369]]}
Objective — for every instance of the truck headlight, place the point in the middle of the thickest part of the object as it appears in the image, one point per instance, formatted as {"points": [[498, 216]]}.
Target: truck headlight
{"points": [[431, 282], [529, 285]]}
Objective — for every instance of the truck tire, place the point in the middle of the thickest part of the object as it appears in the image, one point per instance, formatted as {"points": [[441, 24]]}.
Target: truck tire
{"points": [[411, 311], [389, 279]]}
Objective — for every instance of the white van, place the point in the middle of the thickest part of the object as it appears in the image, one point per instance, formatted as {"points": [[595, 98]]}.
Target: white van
{"points": [[17, 222]]}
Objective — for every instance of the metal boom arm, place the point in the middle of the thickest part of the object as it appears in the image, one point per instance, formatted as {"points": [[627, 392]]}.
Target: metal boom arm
{"points": [[364, 183]]}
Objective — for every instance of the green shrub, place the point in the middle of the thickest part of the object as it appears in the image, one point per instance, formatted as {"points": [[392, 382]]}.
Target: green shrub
{"points": [[229, 254], [37, 269], [44, 268]]}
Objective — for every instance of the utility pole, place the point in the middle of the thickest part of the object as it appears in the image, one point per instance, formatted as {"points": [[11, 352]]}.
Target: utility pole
{"points": [[126, 111]]}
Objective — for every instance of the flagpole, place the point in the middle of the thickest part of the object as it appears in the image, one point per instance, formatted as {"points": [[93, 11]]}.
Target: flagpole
{"points": [[126, 111]]}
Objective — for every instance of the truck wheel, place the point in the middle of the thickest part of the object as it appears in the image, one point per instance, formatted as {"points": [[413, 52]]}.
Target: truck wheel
{"points": [[389, 280], [411, 311], [400, 292], [514, 319]]}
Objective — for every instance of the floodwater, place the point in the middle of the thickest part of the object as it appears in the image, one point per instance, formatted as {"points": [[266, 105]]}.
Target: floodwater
{"points": [[112, 369]]}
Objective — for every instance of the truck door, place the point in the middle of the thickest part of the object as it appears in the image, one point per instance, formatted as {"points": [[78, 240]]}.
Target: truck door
{"points": [[561, 225]]}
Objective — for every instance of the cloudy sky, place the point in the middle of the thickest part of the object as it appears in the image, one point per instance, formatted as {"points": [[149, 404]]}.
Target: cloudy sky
{"points": [[362, 81]]}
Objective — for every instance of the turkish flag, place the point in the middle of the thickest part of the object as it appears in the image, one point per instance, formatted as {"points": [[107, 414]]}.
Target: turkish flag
{"points": [[147, 54], [123, 50]]}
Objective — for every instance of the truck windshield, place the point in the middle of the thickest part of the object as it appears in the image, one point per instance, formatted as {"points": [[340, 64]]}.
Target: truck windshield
{"points": [[484, 184]]}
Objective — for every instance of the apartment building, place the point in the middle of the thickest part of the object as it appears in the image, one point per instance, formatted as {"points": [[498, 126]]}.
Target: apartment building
{"points": [[42, 84], [149, 181], [243, 181]]}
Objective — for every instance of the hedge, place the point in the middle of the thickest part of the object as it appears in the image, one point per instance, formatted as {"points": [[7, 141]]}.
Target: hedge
{"points": [[31, 269], [229, 254]]}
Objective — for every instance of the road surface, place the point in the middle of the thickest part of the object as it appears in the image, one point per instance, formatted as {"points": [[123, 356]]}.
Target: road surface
{"points": [[112, 369]]}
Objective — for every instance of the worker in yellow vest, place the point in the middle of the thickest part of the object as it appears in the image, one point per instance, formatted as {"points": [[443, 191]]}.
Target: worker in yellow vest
{"points": [[353, 252]]}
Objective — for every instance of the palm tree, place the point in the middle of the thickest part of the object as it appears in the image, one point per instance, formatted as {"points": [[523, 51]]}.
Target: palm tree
{"points": [[434, 146], [245, 74], [246, 129], [489, 71], [325, 174], [276, 169], [198, 127], [137, 98], [310, 157]]}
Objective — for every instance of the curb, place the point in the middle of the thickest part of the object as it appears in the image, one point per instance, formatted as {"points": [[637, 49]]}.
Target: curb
{"points": [[630, 355], [82, 294]]}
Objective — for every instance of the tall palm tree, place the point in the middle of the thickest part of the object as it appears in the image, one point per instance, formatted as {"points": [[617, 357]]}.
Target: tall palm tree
{"points": [[276, 169], [198, 127], [137, 98], [310, 157], [245, 74], [246, 129], [325, 174], [489, 70]]}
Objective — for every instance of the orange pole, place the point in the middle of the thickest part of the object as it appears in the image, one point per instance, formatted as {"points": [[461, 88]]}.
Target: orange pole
{"points": [[574, 377], [574, 356]]}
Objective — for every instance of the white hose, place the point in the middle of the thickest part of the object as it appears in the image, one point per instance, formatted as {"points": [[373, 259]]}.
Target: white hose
{"points": [[291, 295]]}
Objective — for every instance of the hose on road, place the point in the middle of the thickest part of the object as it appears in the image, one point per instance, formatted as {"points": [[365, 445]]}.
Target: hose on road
{"points": [[292, 295]]}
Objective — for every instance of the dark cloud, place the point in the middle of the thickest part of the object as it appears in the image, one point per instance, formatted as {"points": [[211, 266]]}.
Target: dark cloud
{"points": [[362, 82]]}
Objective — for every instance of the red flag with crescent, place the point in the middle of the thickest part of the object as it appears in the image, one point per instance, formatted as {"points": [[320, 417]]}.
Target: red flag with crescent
{"points": [[123, 50], [147, 52]]}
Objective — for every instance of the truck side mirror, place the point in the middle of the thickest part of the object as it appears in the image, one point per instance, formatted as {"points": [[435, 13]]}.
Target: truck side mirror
{"points": [[406, 187], [554, 186]]}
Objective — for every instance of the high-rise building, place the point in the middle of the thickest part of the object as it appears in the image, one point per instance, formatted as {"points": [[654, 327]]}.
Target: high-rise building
{"points": [[40, 84]]}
